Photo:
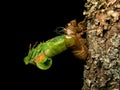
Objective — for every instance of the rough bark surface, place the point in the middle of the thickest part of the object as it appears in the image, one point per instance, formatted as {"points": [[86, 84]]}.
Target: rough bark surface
{"points": [[102, 69]]}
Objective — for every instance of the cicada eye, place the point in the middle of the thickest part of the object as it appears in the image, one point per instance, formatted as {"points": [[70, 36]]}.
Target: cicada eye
{"points": [[45, 64]]}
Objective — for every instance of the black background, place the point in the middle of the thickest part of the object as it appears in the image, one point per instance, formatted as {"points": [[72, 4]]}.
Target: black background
{"points": [[37, 21]]}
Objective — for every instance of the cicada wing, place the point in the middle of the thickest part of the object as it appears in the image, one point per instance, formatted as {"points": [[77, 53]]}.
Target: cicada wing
{"points": [[45, 64]]}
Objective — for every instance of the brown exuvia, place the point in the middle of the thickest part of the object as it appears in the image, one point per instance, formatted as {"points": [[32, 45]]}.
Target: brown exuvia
{"points": [[76, 30]]}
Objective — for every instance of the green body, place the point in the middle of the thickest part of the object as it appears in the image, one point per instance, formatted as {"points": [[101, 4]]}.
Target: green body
{"points": [[42, 54], [54, 46]]}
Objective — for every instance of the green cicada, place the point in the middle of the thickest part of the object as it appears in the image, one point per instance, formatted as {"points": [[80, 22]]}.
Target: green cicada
{"points": [[42, 54]]}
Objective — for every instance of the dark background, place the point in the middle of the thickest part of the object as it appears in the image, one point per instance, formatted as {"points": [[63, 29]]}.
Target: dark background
{"points": [[37, 21]]}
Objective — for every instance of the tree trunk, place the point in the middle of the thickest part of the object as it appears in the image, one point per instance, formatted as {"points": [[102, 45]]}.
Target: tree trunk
{"points": [[102, 69]]}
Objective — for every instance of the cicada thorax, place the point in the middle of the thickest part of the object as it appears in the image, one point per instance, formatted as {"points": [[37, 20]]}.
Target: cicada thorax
{"points": [[76, 31]]}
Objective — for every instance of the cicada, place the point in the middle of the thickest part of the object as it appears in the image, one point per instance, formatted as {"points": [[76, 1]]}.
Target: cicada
{"points": [[41, 55]]}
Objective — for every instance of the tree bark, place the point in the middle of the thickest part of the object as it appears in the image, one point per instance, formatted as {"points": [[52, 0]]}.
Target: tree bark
{"points": [[102, 69]]}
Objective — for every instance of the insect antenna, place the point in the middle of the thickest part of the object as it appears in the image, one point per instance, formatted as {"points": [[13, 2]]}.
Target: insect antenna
{"points": [[30, 46], [35, 44]]}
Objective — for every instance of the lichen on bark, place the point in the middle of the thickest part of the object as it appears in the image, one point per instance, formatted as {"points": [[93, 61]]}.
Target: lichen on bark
{"points": [[102, 69]]}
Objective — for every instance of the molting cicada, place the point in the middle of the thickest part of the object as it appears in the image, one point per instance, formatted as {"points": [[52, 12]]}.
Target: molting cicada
{"points": [[41, 55]]}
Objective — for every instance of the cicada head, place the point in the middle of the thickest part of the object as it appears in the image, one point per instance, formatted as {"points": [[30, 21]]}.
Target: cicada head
{"points": [[33, 53], [28, 59], [37, 57]]}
